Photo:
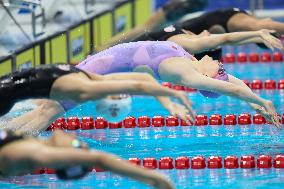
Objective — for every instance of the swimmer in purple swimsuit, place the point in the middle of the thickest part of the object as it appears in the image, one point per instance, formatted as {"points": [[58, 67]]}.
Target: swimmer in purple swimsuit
{"points": [[171, 63]]}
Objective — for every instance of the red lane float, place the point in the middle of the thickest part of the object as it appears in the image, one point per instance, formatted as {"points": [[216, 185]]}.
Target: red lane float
{"points": [[230, 119], [87, 123], [270, 84], [201, 120], [256, 84], [198, 162], [281, 84], [242, 57], [244, 119], [231, 162], [73, 123], [265, 57], [166, 163], [135, 161], [214, 162], [158, 121], [215, 119], [278, 162], [172, 121], [101, 123], [277, 57], [129, 122], [264, 161], [144, 121], [253, 57], [258, 119], [247, 162], [229, 58], [182, 162], [150, 163]]}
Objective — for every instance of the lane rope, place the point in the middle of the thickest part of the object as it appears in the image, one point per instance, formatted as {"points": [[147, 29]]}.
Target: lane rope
{"points": [[90, 123]]}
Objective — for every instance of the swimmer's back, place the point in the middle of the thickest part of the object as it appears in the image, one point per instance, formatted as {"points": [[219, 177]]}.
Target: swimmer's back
{"points": [[127, 56]]}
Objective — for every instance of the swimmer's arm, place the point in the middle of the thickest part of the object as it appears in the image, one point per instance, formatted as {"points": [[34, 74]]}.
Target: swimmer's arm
{"points": [[200, 81], [83, 90], [37, 120], [204, 43], [259, 109], [58, 158]]}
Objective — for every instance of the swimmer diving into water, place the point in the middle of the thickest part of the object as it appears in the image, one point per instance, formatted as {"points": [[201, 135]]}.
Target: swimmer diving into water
{"points": [[68, 86], [70, 158], [171, 63]]}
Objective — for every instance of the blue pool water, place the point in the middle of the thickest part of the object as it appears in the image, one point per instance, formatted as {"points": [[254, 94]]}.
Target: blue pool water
{"points": [[185, 141]]}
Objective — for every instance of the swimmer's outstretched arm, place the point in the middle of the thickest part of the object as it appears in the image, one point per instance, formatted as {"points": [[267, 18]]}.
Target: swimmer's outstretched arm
{"points": [[270, 117], [58, 158], [83, 89], [203, 43], [200, 81], [181, 67]]}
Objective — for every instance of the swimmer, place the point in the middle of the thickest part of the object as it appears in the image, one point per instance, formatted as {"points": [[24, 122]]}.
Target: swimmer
{"points": [[216, 22], [70, 158], [69, 86], [171, 63]]}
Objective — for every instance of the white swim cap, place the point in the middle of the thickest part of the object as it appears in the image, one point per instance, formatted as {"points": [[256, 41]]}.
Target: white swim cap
{"points": [[114, 109]]}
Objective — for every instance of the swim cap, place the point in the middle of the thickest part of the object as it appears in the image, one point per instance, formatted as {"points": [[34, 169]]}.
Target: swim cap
{"points": [[114, 110], [222, 75]]}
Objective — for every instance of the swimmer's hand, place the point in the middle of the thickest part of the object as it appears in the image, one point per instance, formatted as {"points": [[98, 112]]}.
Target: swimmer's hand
{"points": [[268, 112], [162, 182], [269, 40], [182, 96], [180, 111]]}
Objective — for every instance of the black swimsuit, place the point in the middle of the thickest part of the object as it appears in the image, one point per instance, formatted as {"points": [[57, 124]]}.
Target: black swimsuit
{"points": [[31, 83], [207, 20]]}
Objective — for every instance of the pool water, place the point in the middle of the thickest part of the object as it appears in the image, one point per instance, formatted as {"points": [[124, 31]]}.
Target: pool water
{"points": [[185, 141]]}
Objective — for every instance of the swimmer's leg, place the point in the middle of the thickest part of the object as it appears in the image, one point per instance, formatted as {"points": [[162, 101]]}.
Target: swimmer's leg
{"points": [[243, 22]]}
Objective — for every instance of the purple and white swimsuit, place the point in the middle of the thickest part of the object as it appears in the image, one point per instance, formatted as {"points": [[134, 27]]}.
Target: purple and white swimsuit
{"points": [[128, 56]]}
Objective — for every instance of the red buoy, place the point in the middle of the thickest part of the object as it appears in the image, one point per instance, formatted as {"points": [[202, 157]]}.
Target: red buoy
{"points": [[182, 162]]}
